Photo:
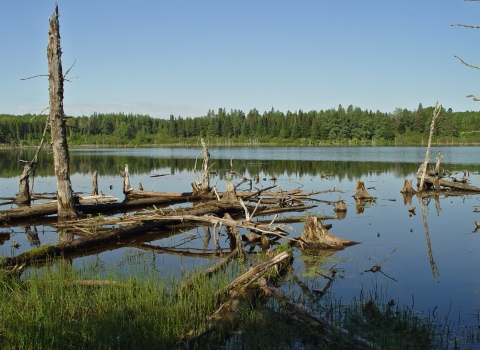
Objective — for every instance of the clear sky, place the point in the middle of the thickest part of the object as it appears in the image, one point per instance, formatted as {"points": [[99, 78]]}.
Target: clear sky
{"points": [[185, 57]]}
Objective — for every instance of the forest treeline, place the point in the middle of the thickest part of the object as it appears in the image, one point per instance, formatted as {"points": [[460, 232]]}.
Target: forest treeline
{"points": [[333, 126]]}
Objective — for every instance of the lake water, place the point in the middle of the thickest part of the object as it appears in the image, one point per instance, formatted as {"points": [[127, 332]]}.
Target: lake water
{"points": [[435, 271]]}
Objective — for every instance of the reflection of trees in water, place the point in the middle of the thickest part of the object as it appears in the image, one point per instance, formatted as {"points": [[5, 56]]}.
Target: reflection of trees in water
{"points": [[10, 165]]}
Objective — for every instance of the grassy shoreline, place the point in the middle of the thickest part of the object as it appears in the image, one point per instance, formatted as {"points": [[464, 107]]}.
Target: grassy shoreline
{"points": [[61, 307]]}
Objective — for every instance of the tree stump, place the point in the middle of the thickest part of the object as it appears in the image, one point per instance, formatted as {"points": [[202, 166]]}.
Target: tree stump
{"points": [[407, 186], [316, 235], [340, 206], [361, 192], [230, 195]]}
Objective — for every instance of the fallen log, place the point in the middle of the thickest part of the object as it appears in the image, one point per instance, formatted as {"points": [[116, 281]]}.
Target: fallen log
{"points": [[48, 208], [242, 296], [450, 184]]}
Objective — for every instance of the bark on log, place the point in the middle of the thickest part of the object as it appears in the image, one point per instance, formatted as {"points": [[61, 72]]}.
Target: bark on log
{"points": [[314, 234], [50, 208], [61, 158], [361, 192]]}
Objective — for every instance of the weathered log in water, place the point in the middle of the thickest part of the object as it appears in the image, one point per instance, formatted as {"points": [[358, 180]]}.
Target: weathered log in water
{"points": [[429, 180], [49, 208], [244, 294]]}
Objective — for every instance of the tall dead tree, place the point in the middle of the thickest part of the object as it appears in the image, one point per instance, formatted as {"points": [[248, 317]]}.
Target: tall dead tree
{"points": [[61, 159]]}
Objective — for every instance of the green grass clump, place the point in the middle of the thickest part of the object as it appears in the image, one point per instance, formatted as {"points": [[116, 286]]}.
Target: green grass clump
{"points": [[55, 308]]}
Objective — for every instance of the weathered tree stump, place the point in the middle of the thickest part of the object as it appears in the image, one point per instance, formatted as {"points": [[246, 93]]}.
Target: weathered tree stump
{"points": [[407, 186], [340, 206], [95, 183], [314, 234], [230, 196], [361, 192]]}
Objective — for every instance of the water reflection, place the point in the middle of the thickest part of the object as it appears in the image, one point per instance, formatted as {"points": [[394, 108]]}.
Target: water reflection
{"points": [[424, 204]]}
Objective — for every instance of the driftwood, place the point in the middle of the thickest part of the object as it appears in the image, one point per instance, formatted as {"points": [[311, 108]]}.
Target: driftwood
{"points": [[314, 234], [361, 193]]}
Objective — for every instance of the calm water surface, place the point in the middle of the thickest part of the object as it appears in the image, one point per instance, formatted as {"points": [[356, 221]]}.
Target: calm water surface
{"points": [[438, 270]]}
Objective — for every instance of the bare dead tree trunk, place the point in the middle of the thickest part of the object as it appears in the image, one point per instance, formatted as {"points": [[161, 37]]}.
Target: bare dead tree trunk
{"points": [[24, 195], [61, 159], [423, 167], [95, 183]]}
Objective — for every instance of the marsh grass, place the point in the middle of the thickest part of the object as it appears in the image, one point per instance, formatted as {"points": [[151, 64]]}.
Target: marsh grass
{"points": [[51, 310], [137, 307]]}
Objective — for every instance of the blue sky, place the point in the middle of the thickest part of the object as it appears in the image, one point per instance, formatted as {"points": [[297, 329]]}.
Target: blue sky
{"points": [[185, 57]]}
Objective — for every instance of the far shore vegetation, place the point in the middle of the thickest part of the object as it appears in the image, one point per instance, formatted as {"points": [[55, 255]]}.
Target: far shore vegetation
{"points": [[333, 127]]}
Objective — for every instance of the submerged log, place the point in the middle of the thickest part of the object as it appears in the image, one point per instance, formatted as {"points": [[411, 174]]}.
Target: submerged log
{"points": [[314, 234], [361, 192]]}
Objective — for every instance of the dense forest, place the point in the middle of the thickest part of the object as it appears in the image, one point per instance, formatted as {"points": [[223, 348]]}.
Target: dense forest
{"points": [[351, 126]]}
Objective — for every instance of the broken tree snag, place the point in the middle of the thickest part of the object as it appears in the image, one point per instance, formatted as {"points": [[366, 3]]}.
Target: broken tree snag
{"points": [[314, 234], [361, 192], [229, 196], [202, 186], [126, 181], [423, 167], [23, 196], [95, 183], [61, 159], [407, 186]]}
